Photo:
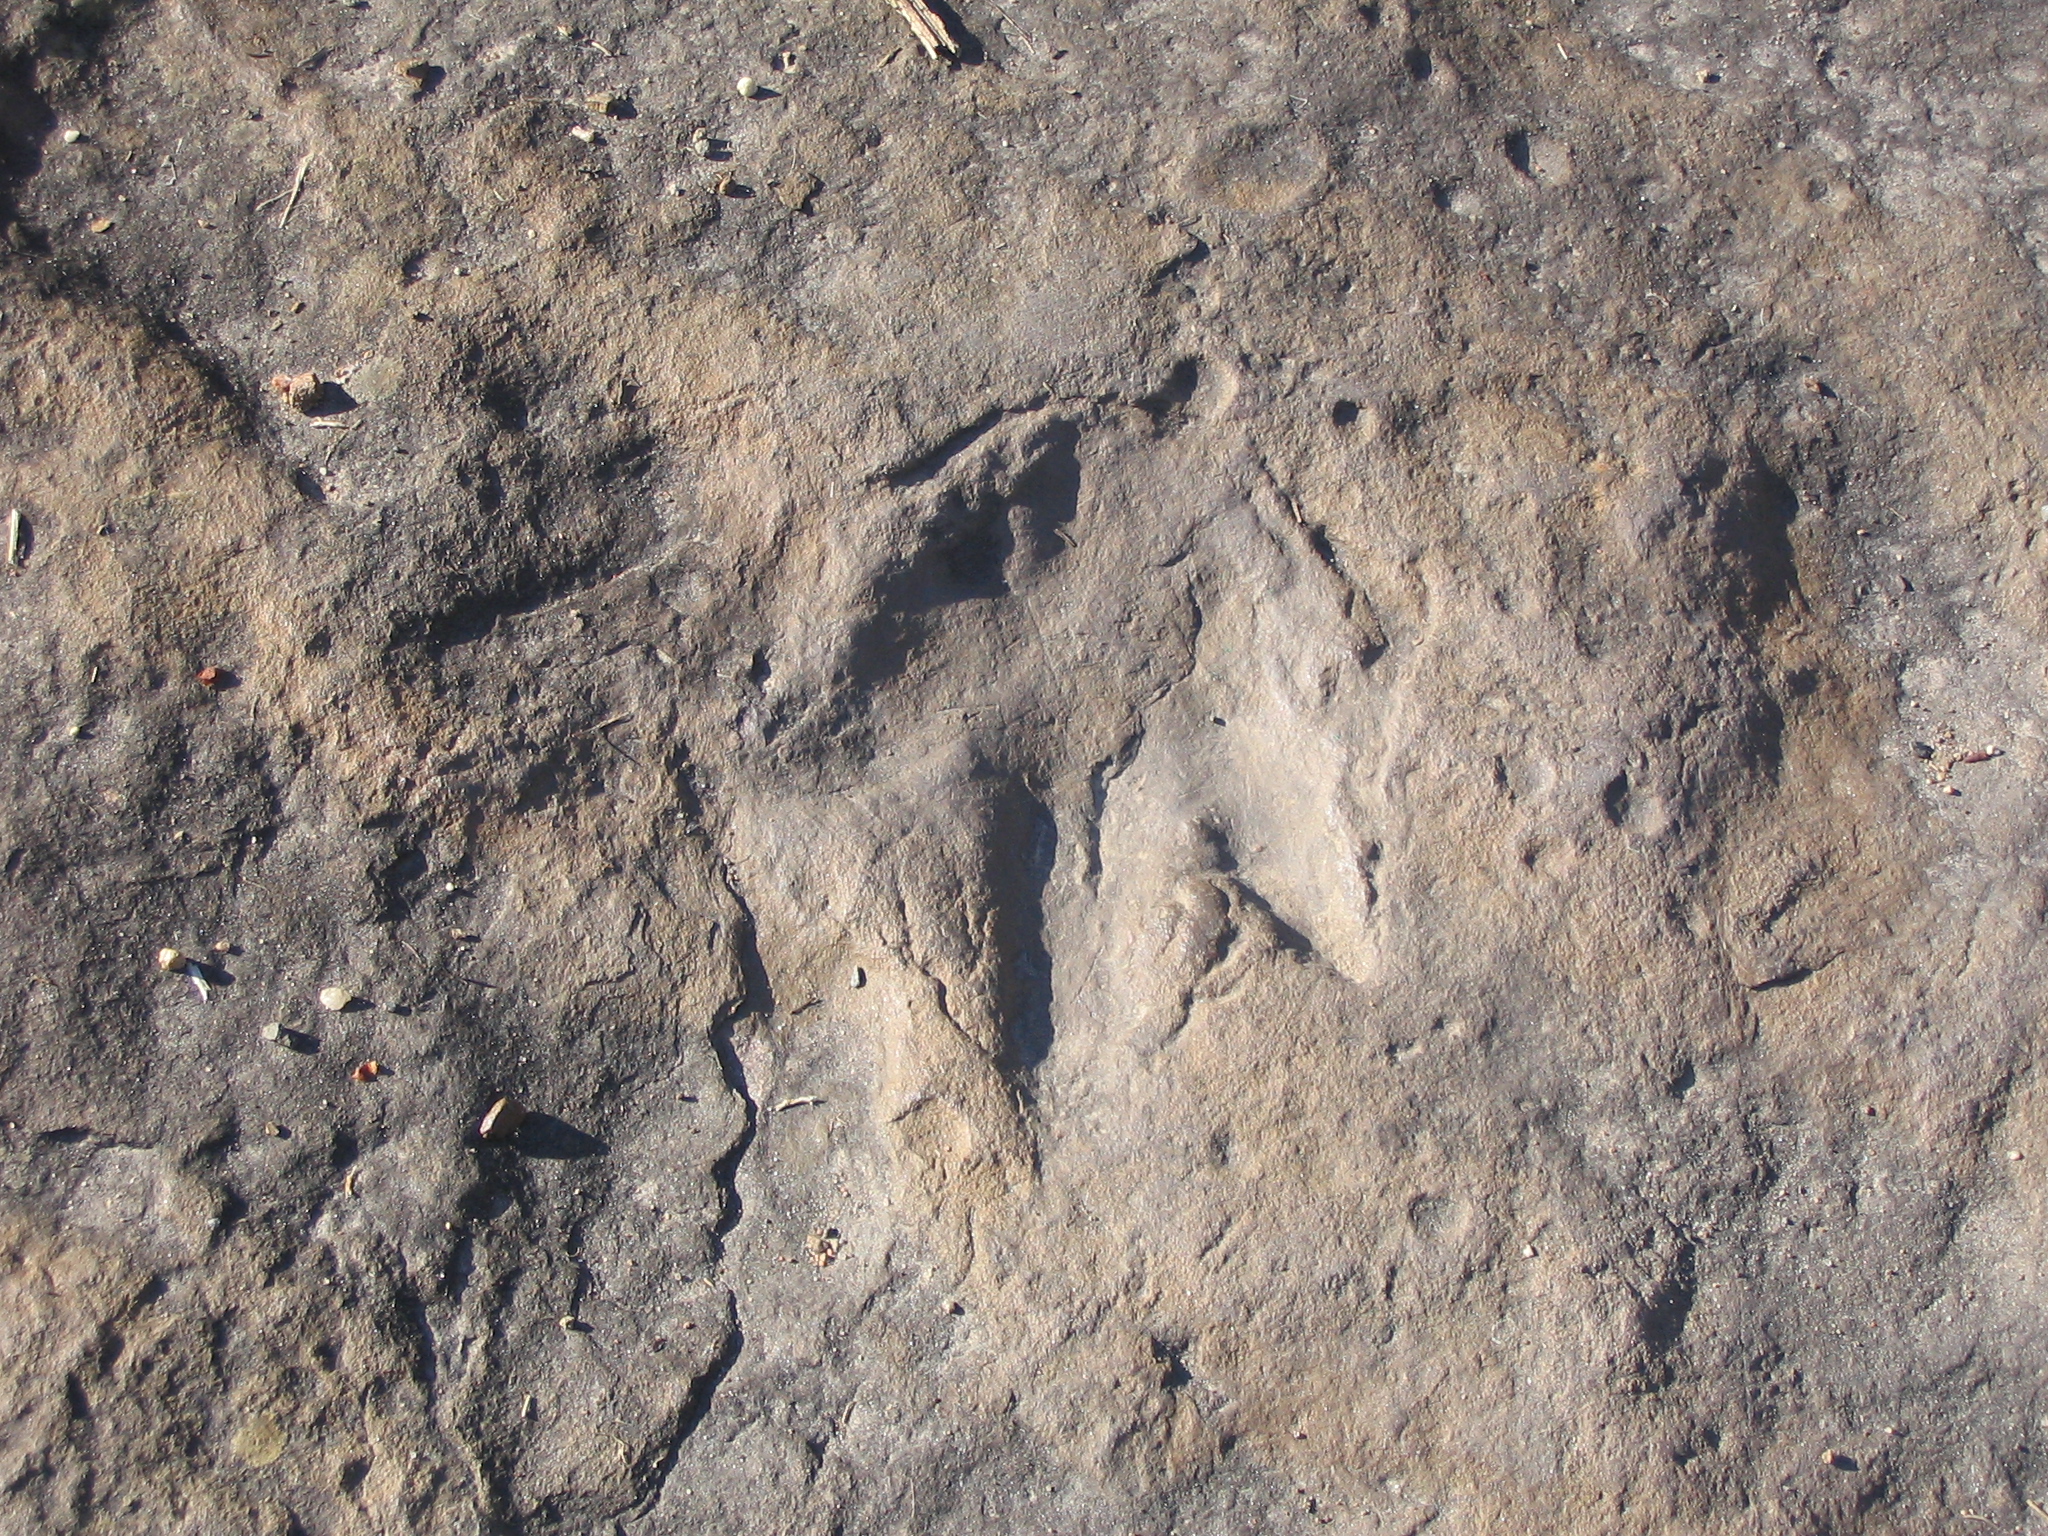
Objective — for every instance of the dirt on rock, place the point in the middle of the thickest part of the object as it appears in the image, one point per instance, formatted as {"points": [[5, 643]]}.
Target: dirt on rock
{"points": [[1237, 767]]}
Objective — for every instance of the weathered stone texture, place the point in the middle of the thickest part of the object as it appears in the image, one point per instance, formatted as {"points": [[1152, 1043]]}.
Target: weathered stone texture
{"points": [[1251, 767]]}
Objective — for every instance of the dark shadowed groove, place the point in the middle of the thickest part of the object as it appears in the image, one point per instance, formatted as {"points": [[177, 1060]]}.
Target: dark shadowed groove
{"points": [[756, 997], [694, 1408], [1663, 1313], [1316, 540], [927, 465], [1033, 844]]}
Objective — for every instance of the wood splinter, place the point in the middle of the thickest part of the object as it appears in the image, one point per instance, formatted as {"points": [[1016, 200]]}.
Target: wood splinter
{"points": [[928, 27], [289, 197]]}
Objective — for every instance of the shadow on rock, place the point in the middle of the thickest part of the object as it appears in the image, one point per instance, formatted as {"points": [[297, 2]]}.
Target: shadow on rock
{"points": [[545, 1136], [331, 399]]}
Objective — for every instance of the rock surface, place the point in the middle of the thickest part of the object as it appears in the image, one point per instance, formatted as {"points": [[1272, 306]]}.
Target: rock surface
{"points": [[1252, 767]]}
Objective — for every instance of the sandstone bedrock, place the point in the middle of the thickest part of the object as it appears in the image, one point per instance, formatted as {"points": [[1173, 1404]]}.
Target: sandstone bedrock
{"points": [[1239, 767]]}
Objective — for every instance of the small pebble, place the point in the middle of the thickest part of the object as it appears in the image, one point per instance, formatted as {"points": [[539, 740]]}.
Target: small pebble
{"points": [[795, 192], [301, 391], [2015, 1155], [274, 1032], [223, 946], [748, 87], [502, 1119], [101, 226], [170, 960], [73, 135], [366, 1071], [1528, 1250], [569, 1322], [272, 1128], [336, 999], [584, 132]]}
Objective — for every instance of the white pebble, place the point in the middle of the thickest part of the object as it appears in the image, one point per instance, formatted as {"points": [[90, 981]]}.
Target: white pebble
{"points": [[336, 999], [748, 86], [72, 135]]}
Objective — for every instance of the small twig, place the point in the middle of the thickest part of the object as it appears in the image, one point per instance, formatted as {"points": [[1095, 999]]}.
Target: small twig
{"points": [[287, 192], [928, 27], [14, 536], [1022, 36], [1562, 54], [796, 1103], [602, 726], [292, 198]]}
